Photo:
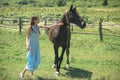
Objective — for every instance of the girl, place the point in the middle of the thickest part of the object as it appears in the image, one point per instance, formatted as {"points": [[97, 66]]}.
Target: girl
{"points": [[32, 45]]}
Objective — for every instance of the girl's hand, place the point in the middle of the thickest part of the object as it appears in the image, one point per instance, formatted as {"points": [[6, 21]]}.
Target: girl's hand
{"points": [[48, 27], [60, 24], [28, 48]]}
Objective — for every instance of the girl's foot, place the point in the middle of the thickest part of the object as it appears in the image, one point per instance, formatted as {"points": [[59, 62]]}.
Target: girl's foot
{"points": [[21, 75], [33, 76]]}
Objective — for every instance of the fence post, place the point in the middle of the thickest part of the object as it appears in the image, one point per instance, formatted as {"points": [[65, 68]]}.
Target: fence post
{"points": [[72, 27], [45, 24], [100, 29], [20, 24]]}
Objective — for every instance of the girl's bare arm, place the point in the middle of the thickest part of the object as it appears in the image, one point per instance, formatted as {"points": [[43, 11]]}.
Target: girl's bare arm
{"points": [[27, 37], [43, 26], [57, 25], [53, 25]]}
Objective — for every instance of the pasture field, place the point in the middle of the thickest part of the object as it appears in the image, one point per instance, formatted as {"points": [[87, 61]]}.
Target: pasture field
{"points": [[89, 58]]}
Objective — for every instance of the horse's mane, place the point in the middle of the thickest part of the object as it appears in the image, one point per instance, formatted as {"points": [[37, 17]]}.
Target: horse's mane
{"points": [[64, 17], [53, 32]]}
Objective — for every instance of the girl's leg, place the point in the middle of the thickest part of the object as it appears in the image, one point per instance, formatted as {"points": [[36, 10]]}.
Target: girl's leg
{"points": [[31, 74], [22, 73]]}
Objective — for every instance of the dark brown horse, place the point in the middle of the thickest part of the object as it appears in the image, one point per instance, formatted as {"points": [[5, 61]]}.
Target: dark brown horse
{"points": [[60, 36]]}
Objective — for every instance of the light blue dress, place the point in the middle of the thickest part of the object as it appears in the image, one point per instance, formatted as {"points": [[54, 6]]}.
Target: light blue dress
{"points": [[33, 55]]}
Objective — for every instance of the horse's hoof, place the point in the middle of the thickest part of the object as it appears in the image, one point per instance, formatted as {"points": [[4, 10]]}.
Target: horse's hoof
{"points": [[53, 66], [68, 66], [57, 73]]}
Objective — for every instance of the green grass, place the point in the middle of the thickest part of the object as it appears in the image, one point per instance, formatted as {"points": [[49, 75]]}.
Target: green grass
{"points": [[87, 56]]}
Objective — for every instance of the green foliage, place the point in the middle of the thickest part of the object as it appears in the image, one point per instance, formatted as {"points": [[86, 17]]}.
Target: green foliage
{"points": [[87, 52], [55, 13], [49, 4], [105, 2], [24, 2], [1, 21], [73, 0], [32, 1], [5, 4], [54, 3], [15, 21], [61, 2]]}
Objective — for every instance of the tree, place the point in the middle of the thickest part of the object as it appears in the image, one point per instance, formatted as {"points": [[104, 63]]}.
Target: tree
{"points": [[105, 3]]}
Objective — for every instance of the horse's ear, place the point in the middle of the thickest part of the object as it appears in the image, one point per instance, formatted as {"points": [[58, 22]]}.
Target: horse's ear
{"points": [[71, 7], [74, 8]]}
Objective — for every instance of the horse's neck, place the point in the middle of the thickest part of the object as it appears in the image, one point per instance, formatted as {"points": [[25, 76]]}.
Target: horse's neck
{"points": [[64, 20]]}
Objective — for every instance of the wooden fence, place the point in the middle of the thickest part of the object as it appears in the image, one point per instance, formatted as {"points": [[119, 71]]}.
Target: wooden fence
{"points": [[100, 30], [100, 27], [19, 22]]}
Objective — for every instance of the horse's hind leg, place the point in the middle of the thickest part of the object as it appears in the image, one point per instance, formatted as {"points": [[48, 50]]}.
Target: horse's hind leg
{"points": [[67, 54]]}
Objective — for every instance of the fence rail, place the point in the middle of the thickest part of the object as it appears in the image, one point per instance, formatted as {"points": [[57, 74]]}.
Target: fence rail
{"points": [[92, 33], [21, 21]]}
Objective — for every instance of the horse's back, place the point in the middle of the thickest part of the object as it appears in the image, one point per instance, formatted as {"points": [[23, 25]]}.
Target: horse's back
{"points": [[53, 31]]}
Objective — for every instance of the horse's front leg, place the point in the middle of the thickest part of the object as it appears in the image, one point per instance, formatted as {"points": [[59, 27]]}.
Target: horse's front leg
{"points": [[55, 56], [54, 65], [56, 60], [67, 54], [61, 57]]}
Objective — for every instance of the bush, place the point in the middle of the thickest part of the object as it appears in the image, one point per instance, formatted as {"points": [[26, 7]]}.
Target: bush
{"points": [[1, 21], [23, 2], [6, 4], [105, 3], [115, 5], [32, 1], [15, 21], [49, 4], [61, 3], [73, 0]]}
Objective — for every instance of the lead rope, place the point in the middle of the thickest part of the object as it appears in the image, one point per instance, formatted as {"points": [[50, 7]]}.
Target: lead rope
{"points": [[68, 27]]}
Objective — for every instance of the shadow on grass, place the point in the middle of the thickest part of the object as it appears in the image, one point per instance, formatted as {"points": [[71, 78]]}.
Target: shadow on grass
{"points": [[40, 78], [79, 73]]}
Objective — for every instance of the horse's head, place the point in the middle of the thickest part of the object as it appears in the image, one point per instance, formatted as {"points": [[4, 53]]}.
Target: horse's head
{"points": [[75, 18]]}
